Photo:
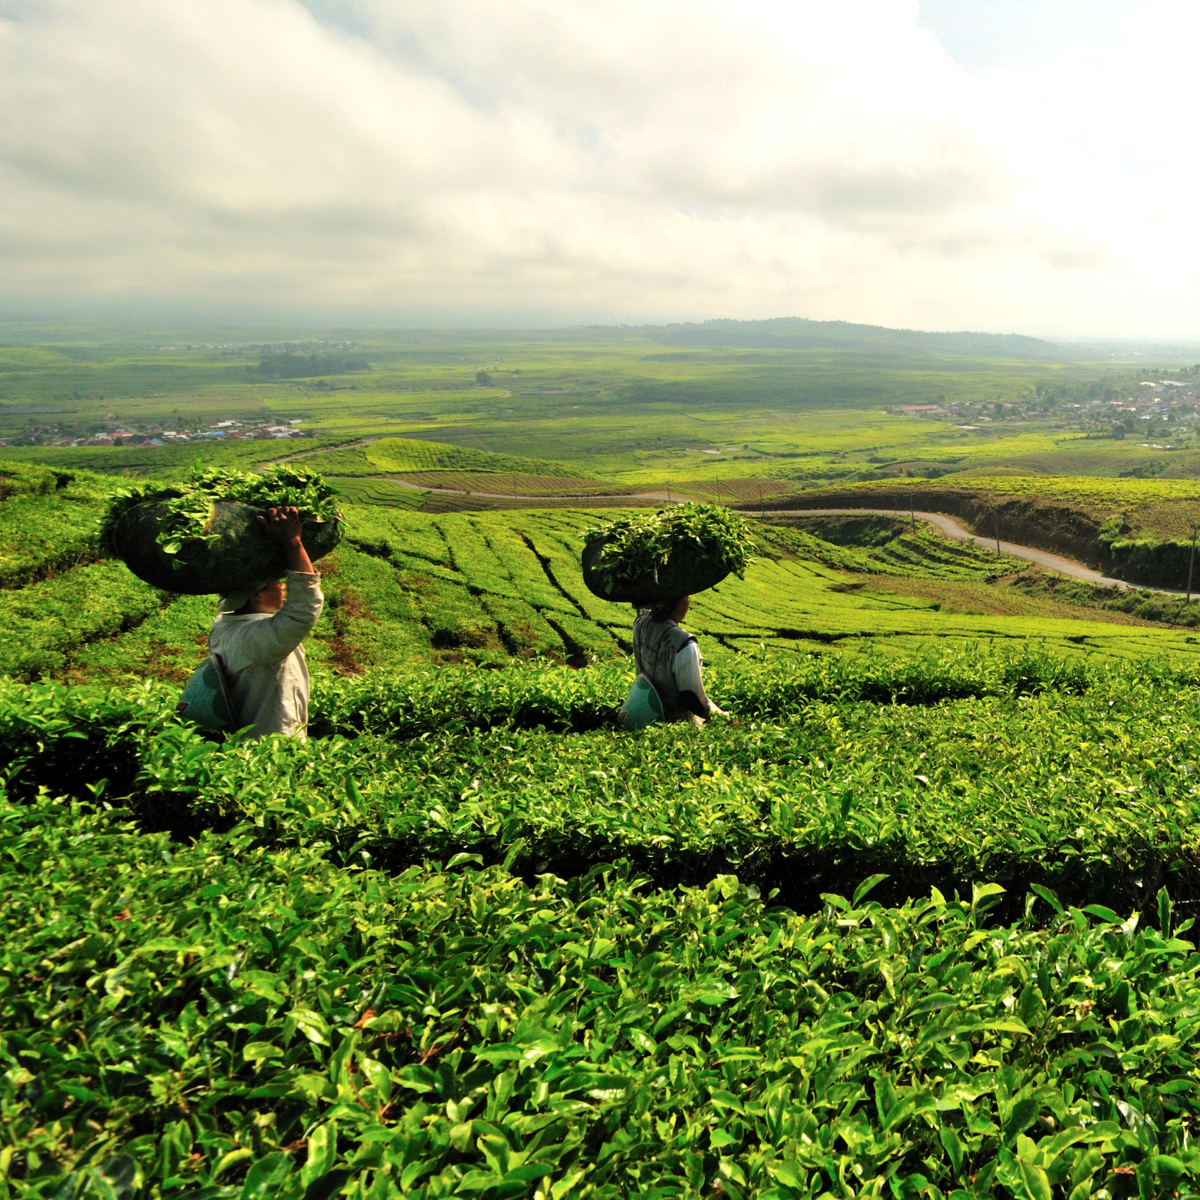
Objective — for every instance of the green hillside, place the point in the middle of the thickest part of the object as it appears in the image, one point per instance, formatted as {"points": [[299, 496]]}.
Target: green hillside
{"points": [[918, 922], [408, 588], [402, 456], [797, 333]]}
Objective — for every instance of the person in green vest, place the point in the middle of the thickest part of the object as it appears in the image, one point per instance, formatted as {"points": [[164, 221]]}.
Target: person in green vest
{"points": [[669, 657]]}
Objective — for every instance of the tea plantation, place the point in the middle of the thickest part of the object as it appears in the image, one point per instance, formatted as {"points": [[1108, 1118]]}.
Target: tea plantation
{"points": [[918, 925]]}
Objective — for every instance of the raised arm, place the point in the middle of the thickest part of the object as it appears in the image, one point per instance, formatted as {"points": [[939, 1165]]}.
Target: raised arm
{"points": [[282, 526], [274, 639]]}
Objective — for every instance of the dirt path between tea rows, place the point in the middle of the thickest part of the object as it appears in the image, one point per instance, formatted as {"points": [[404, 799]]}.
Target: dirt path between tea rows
{"points": [[954, 528]]}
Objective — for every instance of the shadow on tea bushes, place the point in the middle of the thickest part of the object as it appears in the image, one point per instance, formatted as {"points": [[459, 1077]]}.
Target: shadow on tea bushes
{"points": [[69, 740], [1095, 795], [932, 796], [218, 1020], [565, 700]]}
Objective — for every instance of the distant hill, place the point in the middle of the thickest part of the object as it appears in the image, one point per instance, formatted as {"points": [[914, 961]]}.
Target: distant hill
{"points": [[796, 333]]}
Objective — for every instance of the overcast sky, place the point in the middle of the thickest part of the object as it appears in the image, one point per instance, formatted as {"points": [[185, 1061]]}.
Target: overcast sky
{"points": [[1009, 165]]}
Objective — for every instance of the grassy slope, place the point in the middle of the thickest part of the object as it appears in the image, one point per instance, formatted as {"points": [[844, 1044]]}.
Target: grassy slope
{"points": [[408, 587], [1151, 508]]}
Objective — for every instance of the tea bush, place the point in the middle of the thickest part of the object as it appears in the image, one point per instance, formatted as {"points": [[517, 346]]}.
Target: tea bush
{"points": [[49, 521], [475, 939], [823, 782], [222, 1020]]}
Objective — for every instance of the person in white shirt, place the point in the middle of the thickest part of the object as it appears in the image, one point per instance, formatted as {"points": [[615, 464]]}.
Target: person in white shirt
{"points": [[258, 632], [669, 657]]}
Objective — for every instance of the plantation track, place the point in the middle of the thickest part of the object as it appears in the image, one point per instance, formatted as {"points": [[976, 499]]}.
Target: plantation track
{"points": [[580, 500], [953, 528], [356, 444]]}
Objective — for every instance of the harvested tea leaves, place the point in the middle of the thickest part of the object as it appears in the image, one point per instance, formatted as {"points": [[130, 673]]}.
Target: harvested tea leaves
{"points": [[637, 547], [189, 506]]}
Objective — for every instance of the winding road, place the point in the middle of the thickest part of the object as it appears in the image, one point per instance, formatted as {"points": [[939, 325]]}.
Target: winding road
{"points": [[950, 526], [953, 528]]}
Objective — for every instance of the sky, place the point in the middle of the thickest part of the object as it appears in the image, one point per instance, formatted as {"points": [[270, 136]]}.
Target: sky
{"points": [[1008, 165]]}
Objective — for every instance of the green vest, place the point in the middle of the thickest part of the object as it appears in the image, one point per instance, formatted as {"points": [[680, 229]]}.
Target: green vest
{"points": [[655, 644]]}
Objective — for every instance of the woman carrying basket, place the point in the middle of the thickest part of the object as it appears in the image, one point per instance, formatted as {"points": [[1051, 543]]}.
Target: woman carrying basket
{"points": [[657, 563], [258, 633], [669, 657]]}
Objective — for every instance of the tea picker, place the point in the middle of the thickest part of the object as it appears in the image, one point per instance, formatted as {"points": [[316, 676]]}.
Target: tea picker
{"points": [[252, 539], [257, 636], [657, 563], [668, 658]]}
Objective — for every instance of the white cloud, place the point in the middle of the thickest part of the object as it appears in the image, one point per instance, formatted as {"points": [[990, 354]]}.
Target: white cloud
{"points": [[541, 159]]}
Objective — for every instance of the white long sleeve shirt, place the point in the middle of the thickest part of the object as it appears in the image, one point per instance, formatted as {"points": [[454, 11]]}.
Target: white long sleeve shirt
{"points": [[687, 666], [264, 659]]}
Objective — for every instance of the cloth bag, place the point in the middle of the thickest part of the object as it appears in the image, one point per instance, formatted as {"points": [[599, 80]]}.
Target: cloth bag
{"points": [[207, 699], [642, 706]]}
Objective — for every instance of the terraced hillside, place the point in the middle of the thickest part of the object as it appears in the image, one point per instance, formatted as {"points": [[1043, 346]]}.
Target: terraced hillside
{"points": [[1136, 530], [408, 588]]}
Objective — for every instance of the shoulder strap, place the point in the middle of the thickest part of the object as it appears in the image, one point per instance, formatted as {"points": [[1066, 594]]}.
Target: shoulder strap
{"points": [[678, 637], [226, 687]]}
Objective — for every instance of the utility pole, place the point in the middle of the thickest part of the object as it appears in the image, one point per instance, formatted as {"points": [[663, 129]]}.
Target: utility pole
{"points": [[912, 508], [1191, 564], [761, 514], [668, 493], [996, 516]]}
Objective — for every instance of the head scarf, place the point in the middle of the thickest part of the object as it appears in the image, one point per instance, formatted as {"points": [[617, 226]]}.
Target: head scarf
{"points": [[232, 601], [665, 612]]}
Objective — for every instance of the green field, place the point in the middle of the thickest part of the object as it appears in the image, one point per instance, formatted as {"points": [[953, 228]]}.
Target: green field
{"points": [[751, 413], [919, 924], [637, 407]]}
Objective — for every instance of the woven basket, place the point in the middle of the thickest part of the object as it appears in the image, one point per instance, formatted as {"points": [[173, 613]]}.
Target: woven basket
{"points": [[240, 556], [687, 571]]}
